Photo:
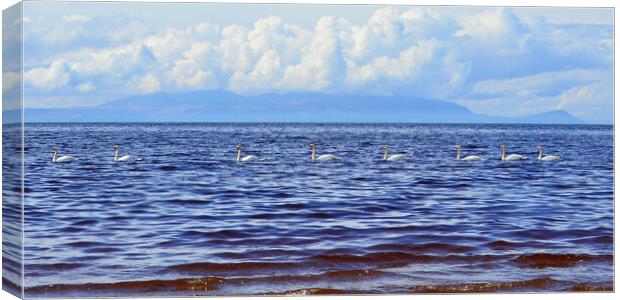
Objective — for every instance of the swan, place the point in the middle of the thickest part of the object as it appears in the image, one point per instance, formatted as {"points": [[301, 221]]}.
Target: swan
{"points": [[511, 156], [546, 157], [122, 158], [245, 158], [458, 155], [62, 159], [324, 157], [395, 157]]}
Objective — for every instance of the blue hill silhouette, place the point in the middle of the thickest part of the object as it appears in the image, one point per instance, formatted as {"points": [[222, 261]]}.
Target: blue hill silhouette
{"points": [[224, 106]]}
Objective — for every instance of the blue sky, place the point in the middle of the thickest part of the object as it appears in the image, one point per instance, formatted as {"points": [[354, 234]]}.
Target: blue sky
{"points": [[493, 60]]}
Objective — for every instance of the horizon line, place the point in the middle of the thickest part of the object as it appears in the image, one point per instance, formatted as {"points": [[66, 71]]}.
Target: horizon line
{"points": [[307, 122]]}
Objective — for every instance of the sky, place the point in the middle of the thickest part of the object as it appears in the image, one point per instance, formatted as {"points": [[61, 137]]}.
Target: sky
{"points": [[493, 60]]}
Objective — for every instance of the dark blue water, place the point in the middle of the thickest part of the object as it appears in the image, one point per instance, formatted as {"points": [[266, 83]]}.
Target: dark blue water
{"points": [[190, 220]]}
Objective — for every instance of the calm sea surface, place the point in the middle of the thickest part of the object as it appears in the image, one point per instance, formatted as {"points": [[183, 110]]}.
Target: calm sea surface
{"points": [[189, 220]]}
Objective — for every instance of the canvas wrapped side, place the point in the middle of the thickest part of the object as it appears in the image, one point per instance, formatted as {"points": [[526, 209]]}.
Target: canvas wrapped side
{"points": [[12, 151]]}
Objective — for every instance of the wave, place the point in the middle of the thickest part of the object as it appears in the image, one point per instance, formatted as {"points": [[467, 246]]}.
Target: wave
{"points": [[597, 287], [231, 267], [311, 291], [118, 288], [55, 267], [547, 260], [537, 284], [432, 247], [317, 284], [340, 260]]}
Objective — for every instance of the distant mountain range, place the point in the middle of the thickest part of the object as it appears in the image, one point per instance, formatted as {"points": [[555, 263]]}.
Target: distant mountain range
{"points": [[223, 106]]}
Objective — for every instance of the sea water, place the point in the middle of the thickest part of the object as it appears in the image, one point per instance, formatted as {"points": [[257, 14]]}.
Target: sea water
{"points": [[187, 219]]}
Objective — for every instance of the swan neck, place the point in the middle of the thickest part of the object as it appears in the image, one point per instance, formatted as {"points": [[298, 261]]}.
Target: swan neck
{"points": [[55, 156], [116, 154], [385, 154], [503, 153], [313, 153], [540, 153], [238, 154], [458, 153]]}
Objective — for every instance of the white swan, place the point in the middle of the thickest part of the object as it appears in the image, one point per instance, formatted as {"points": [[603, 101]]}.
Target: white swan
{"points": [[511, 156], [245, 158], [122, 158], [470, 157], [395, 157], [546, 157], [324, 157], [62, 159]]}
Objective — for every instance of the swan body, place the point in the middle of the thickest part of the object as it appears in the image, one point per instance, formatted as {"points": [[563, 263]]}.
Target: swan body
{"points": [[515, 157], [545, 157], [395, 157], [122, 158], [470, 157], [511, 157], [249, 158], [62, 159], [324, 157], [244, 158], [327, 157]]}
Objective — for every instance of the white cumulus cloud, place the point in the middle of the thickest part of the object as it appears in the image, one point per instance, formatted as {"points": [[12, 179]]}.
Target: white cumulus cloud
{"points": [[55, 76], [488, 56]]}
